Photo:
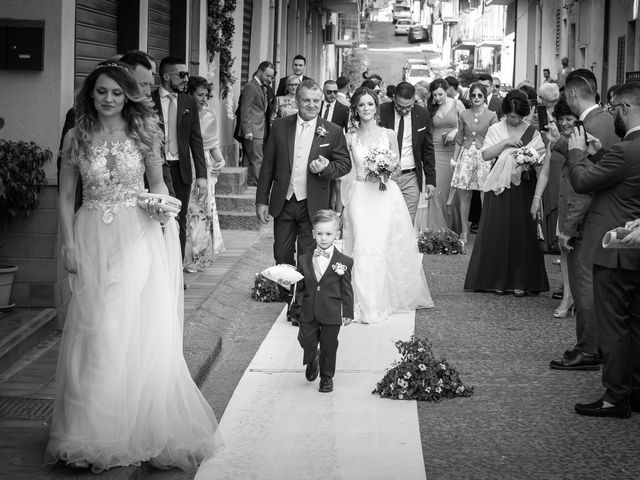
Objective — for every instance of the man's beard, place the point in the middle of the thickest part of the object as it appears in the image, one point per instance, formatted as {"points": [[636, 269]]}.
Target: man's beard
{"points": [[620, 128]]}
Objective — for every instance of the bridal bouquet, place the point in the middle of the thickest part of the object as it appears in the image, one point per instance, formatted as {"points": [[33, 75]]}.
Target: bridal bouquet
{"points": [[420, 376], [527, 157], [379, 164]]}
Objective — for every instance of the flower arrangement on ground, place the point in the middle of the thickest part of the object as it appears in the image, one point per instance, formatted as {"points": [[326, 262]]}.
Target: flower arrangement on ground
{"points": [[420, 376], [440, 242], [379, 164], [265, 290]]}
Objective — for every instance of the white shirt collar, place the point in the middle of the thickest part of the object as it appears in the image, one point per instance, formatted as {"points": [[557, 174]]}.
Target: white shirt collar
{"points": [[584, 114], [631, 130], [164, 92], [301, 121]]}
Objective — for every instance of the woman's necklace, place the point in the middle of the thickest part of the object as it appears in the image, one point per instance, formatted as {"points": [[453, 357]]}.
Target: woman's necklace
{"points": [[476, 116]]}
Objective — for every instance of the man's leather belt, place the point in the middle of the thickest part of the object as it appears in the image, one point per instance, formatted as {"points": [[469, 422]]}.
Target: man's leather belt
{"points": [[408, 170]]}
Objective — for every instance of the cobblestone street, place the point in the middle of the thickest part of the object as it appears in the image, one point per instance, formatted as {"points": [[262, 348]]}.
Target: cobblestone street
{"points": [[520, 422]]}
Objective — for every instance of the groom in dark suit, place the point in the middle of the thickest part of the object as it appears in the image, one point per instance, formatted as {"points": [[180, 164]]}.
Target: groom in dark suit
{"points": [[615, 180], [302, 155], [179, 119], [412, 123]]}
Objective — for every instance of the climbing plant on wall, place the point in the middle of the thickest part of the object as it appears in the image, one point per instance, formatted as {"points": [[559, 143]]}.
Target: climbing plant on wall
{"points": [[220, 30]]}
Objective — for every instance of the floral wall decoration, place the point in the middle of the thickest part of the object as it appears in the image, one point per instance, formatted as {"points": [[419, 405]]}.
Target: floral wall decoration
{"points": [[220, 30]]}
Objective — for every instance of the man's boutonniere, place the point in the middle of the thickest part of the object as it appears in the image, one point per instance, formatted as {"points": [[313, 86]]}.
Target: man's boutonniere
{"points": [[339, 268], [186, 111], [321, 131]]}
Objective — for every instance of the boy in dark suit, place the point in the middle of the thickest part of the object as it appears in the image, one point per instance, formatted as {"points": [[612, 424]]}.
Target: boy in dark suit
{"points": [[327, 299]]}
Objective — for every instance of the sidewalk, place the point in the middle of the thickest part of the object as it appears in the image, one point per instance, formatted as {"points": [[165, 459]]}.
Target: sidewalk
{"points": [[27, 389]]}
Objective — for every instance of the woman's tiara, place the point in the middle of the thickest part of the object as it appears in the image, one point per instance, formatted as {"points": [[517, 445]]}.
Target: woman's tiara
{"points": [[111, 64]]}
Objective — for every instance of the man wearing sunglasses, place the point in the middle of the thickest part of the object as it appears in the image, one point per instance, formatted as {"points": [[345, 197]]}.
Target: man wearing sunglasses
{"points": [[331, 109], [615, 183], [412, 123], [179, 119]]}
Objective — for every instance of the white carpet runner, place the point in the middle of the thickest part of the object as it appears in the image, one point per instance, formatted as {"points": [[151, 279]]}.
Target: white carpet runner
{"points": [[278, 426]]}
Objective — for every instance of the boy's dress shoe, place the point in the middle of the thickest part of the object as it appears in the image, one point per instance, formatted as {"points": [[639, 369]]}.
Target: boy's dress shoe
{"points": [[577, 361], [312, 369], [326, 384], [596, 409]]}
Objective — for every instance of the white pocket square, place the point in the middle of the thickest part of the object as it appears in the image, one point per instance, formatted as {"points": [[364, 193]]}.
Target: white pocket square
{"points": [[423, 128], [326, 144]]}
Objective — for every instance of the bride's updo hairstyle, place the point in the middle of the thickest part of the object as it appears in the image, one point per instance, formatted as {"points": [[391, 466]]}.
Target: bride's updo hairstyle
{"points": [[355, 99], [142, 121], [516, 102]]}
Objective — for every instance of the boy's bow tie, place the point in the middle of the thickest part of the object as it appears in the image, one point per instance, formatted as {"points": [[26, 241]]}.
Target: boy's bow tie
{"points": [[318, 252]]}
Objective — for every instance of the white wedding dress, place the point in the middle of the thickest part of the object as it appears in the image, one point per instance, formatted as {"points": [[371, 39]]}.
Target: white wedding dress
{"points": [[123, 390], [387, 273]]}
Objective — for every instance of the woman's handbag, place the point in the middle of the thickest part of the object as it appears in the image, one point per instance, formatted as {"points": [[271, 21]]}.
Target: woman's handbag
{"points": [[159, 206]]}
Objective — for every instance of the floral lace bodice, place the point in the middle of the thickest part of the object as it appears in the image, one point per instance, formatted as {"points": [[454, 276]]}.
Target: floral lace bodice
{"points": [[360, 150], [112, 176]]}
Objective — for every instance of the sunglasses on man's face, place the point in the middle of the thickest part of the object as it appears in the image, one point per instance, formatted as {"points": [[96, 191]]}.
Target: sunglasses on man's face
{"points": [[332, 92], [181, 74]]}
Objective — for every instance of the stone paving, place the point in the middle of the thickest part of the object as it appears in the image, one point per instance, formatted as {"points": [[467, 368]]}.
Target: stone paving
{"points": [[520, 422]]}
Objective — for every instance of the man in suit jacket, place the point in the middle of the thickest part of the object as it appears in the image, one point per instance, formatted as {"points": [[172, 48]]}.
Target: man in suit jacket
{"points": [[454, 92], [412, 123], [615, 181], [253, 106], [331, 109], [303, 154], [299, 65], [563, 73], [178, 114], [581, 88]]}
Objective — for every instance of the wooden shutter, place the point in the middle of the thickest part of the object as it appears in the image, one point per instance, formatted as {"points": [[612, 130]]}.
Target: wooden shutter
{"points": [[246, 41], [96, 35], [159, 45]]}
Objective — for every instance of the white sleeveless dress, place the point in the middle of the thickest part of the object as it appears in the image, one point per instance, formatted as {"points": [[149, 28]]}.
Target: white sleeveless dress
{"points": [[124, 394], [388, 276]]}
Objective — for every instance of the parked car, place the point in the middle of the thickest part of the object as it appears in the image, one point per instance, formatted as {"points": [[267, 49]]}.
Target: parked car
{"points": [[417, 72], [401, 12], [417, 33], [402, 27], [408, 63]]}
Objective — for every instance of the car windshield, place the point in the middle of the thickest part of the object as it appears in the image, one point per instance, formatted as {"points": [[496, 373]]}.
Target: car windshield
{"points": [[404, 22], [402, 9]]}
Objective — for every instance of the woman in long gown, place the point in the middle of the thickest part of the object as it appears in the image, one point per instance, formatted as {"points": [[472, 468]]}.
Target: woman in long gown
{"points": [[204, 237], [388, 276], [444, 116], [124, 394], [506, 256]]}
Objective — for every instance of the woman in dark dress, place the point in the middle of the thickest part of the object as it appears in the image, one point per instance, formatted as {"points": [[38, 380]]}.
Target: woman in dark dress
{"points": [[506, 256]]}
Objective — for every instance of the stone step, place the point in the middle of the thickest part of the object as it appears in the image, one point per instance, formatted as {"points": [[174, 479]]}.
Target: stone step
{"points": [[234, 220], [232, 180], [23, 329], [238, 202]]}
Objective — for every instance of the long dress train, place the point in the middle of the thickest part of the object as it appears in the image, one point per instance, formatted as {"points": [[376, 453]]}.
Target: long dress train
{"points": [[387, 273], [123, 389]]}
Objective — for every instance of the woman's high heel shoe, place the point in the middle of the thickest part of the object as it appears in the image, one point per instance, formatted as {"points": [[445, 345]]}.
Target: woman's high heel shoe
{"points": [[564, 313]]}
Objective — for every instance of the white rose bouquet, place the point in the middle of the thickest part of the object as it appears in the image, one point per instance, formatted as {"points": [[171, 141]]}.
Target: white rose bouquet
{"points": [[379, 164]]}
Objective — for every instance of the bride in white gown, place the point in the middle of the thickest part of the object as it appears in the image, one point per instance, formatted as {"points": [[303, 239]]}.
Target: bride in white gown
{"points": [[124, 394], [387, 273]]}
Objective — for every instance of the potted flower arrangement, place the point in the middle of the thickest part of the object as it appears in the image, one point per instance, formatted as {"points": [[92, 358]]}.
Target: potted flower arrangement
{"points": [[21, 179]]}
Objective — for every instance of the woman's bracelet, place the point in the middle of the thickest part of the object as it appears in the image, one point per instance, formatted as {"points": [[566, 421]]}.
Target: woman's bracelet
{"points": [[538, 196]]}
